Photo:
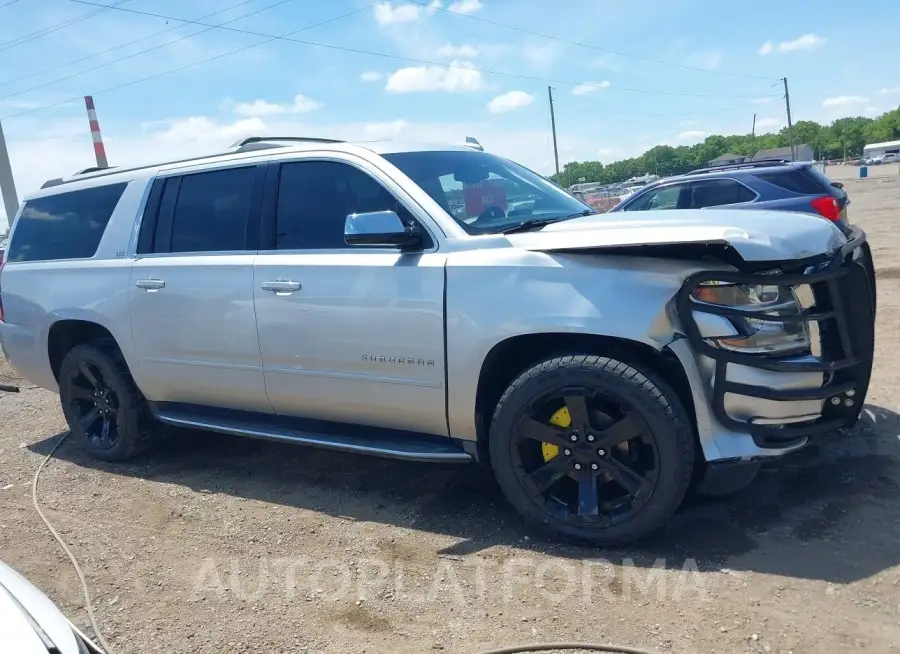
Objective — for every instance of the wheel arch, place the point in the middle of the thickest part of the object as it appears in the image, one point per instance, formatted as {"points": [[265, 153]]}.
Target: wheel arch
{"points": [[66, 333], [512, 356]]}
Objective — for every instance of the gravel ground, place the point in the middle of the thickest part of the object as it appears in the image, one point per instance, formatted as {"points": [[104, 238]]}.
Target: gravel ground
{"points": [[218, 544]]}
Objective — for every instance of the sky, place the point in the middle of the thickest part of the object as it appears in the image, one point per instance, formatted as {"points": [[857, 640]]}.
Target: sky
{"points": [[625, 75]]}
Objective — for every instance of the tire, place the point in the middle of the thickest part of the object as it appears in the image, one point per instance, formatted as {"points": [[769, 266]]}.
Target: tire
{"points": [[631, 401], [131, 427]]}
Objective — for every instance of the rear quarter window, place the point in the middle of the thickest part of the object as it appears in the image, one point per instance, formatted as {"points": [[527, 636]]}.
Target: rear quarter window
{"points": [[795, 180], [65, 225]]}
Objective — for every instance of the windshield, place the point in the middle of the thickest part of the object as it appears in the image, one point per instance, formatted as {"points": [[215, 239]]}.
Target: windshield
{"points": [[484, 193]]}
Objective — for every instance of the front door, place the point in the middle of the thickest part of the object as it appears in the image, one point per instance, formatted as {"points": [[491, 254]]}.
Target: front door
{"points": [[191, 293], [348, 334]]}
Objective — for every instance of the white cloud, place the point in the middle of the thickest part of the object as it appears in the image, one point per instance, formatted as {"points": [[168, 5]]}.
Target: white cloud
{"points": [[386, 13], [844, 101], [872, 111], [889, 91], [691, 135], [802, 43], [301, 105], [371, 76], [607, 151], [590, 87], [465, 6], [608, 62], [763, 100], [706, 59], [456, 79], [764, 125], [541, 55], [510, 101], [464, 50]]}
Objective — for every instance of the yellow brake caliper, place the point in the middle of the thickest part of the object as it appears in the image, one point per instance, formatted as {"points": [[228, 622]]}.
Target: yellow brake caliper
{"points": [[560, 419]]}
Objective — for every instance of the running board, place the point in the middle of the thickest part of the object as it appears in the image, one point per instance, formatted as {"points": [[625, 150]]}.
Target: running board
{"points": [[388, 443]]}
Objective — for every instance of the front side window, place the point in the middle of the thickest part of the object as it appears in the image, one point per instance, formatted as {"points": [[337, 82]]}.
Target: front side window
{"points": [[315, 198], [484, 193], [212, 210], [665, 197], [65, 225]]}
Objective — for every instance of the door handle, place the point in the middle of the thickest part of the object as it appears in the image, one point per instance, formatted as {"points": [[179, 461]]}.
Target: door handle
{"points": [[150, 284], [280, 287]]}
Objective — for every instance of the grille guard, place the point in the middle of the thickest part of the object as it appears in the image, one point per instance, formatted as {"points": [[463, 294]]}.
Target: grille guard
{"points": [[844, 308]]}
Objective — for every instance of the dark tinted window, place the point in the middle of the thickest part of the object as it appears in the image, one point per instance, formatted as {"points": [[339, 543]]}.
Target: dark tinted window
{"points": [[665, 197], [212, 211], [65, 225], [716, 192], [314, 199], [796, 180]]}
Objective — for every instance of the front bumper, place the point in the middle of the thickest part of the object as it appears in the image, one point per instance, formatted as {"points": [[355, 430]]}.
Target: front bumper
{"points": [[795, 397]]}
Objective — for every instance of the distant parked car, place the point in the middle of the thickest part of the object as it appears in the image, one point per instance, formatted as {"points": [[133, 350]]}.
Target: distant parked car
{"points": [[775, 185], [891, 157]]}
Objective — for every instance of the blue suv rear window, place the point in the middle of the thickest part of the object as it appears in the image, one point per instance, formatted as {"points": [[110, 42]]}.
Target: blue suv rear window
{"points": [[793, 180]]}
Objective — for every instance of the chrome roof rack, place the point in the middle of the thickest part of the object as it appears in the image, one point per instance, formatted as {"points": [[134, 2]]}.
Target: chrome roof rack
{"points": [[472, 142], [264, 142]]}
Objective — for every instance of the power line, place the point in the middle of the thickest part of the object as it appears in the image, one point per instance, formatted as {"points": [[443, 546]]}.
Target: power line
{"points": [[634, 113], [6, 4], [623, 122], [412, 60], [140, 52], [118, 47], [587, 45], [7, 45], [196, 63]]}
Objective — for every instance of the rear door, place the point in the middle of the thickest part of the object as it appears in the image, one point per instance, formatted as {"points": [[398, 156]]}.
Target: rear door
{"points": [[191, 291]]}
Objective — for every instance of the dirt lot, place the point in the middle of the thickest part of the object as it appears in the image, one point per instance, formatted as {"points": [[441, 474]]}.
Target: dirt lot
{"points": [[217, 544]]}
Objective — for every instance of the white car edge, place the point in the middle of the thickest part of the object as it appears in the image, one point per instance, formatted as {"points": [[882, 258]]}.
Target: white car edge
{"points": [[30, 623]]}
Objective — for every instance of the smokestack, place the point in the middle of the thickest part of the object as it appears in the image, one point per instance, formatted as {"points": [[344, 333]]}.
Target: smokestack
{"points": [[99, 150]]}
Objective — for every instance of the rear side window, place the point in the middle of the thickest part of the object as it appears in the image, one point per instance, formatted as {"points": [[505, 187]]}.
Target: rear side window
{"points": [[719, 192], [212, 211], [796, 180], [64, 226]]}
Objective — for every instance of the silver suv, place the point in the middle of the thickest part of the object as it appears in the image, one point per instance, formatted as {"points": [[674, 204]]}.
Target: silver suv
{"points": [[440, 304]]}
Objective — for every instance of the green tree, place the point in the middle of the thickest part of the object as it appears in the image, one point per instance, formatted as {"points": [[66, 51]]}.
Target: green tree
{"points": [[843, 136]]}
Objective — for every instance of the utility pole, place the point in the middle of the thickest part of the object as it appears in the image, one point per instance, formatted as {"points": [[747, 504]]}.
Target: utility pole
{"points": [[7, 185], [753, 131], [787, 104], [553, 127]]}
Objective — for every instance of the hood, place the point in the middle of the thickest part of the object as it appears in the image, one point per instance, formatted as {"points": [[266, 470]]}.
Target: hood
{"points": [[754, 235], [22, 605]]}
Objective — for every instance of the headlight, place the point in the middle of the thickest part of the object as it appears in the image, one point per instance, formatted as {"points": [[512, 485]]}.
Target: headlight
{"points": [[755, 334]]}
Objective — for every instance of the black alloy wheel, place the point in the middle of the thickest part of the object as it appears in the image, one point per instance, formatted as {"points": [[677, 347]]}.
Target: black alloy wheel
{"points": [[592, 449], [105, 410], [94, 404], [600, 469]]}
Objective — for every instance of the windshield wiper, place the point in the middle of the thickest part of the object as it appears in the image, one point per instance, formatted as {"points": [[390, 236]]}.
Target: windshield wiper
{"points": [[535, 223]]}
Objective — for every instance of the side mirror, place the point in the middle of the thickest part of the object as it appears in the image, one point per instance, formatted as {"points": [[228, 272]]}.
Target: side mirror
{"points": [[837, 184], [382, 228]]}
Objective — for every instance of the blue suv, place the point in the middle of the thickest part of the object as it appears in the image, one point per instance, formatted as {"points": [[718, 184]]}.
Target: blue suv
{"points": [[778, 185]]}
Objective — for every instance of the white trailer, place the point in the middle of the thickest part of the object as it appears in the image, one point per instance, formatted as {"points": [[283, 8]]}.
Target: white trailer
{"points": [[881, 149]]}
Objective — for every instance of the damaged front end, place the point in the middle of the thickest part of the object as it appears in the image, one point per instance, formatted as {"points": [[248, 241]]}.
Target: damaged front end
{"points": [[786, 352]]}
